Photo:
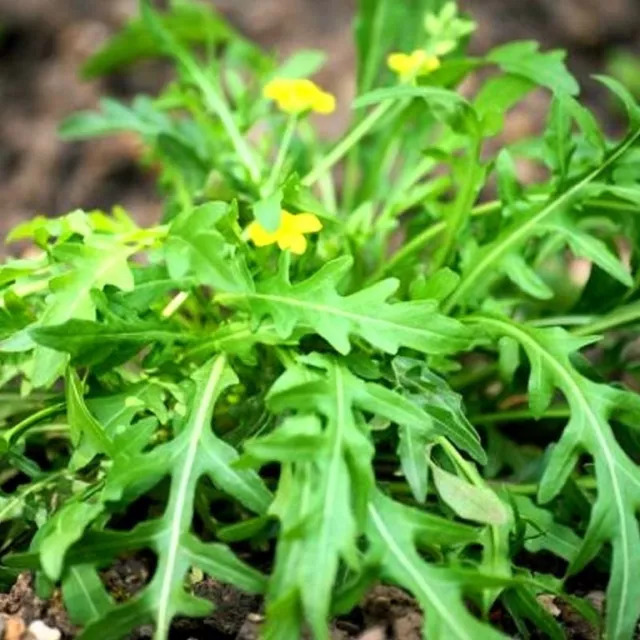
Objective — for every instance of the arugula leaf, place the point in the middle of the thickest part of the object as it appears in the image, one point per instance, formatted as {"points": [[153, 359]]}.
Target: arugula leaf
{"points": [[545, 69], [195, 451], [190, 22], [393, 531], [315, 305], [92, 265], [613, 517]]}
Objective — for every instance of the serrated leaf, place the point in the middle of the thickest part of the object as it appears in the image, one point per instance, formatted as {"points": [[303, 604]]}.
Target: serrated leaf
{"points": [[320, 501], [83, 339], [584, 245], [91, 266], [625, 96], [392, 533], [613, 516], [446, 106], [434, 397], [194, 452], [545, 69], [64, 529], [478, 273], [314, 305], [195, 247], [543, 532], [87, 433], [559, 140]]}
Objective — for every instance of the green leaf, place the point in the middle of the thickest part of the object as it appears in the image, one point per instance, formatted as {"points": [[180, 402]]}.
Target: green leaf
{"points": [[544, 533], [545, 69], [613, 516], [320, 500], [585, 245], [267, 211], [470, 502], [559, 139], [513, 237], [189, 22], [197, 248], [87, 433], [91, 266], [194, 452], [84, 595], [62, 530], [314, 305], [412, 450], [625, 96], [393, 530], [522, 603], [521, 274], [496, 97], [433, 396], [447, 106], [84, 340]]}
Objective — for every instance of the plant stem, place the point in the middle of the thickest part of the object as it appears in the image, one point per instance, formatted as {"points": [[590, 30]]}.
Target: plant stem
{"points": [[287, 138], [342, 148], [419, 241], [11, 435], [519, 415], [461, 207], [622, 316], [520, 230], [175, 303]]}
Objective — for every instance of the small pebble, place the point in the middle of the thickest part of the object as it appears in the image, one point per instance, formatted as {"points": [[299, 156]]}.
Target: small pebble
{"points": [[14, 628], [41, 631]]}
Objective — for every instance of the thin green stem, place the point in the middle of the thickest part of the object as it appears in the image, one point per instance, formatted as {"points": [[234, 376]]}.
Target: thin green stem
{"points": [[285, 144], [521, 230], [462, 207], [566, 321], [520, 415], [326, 185], [419, 241], [350, 140], [620, 317], [11, 435]]}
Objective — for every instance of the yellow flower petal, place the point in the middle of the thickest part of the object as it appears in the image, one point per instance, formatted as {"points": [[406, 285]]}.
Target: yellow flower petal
{"points": [[295, 242], [325, 103], [289, 235], [398, 62], [307, 223], [260, 236], [295, 96], [409, 66]]}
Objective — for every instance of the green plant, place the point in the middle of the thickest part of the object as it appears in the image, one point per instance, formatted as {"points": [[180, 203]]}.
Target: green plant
{"points": [[249, 376]]}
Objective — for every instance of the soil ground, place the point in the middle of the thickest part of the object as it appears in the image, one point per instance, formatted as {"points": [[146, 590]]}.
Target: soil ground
{"points": [[42, 45]]}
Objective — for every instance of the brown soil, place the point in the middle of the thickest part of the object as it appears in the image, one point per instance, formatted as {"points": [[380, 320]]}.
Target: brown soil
{"points": [[386, 613]]}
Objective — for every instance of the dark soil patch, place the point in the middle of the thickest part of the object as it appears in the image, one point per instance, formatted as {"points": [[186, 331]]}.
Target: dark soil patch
{"points": [[386, 613]]}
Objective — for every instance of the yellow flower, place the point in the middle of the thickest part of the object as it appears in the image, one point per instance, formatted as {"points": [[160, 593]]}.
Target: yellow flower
{"points": [[411, 65], [290, 233], [297, 96]]}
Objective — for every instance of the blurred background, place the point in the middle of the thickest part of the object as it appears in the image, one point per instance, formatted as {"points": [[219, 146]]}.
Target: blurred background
{"points": [[44, 42]]}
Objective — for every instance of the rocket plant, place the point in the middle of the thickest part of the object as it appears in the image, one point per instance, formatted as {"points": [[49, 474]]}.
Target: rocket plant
{"points": [[385, 358]]}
